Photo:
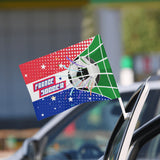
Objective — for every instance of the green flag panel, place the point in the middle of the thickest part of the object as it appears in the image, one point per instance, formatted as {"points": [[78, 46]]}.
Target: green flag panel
{"points": [[102, 81]]}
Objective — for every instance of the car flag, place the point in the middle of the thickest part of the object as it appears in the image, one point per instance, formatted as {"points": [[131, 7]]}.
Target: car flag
{"points": [[77, 74]]}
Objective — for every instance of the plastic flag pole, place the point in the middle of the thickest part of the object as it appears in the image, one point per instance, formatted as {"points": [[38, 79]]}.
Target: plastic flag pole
{"points": [[125, 115]]}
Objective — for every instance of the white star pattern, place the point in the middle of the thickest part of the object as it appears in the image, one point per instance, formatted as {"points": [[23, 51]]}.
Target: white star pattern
{"points": [[61, 65], [43, 66], [53, 98], [70, 99]]}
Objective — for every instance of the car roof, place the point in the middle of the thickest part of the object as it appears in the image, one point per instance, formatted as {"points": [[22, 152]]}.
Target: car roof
{"points": [[154, 83]]}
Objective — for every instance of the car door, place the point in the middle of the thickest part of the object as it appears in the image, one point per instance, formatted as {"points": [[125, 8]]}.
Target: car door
{"points": [[145, 143], [119, 142]]}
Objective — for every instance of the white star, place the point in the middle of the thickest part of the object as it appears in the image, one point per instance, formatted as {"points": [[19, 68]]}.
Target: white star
{"points": [[53, 98], [89, 98], [70, 99], [42, 114], [25, 75], [61, 65], [43, 66]]}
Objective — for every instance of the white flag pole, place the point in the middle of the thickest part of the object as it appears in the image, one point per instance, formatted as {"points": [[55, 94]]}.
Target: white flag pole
{"points": [[125, 115]]}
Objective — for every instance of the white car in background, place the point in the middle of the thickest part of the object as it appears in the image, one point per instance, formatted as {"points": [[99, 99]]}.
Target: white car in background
{"points": [[83, 132]]}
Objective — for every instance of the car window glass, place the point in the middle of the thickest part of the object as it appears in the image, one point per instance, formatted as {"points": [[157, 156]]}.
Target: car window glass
{"points": [[150, 150], [151, 107], [119, 133], [117, 141], [158, 105], [87, 136]]}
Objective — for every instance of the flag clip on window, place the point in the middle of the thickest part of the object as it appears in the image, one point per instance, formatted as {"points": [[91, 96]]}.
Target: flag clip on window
{"points": [[74, 75], [125, 115]]}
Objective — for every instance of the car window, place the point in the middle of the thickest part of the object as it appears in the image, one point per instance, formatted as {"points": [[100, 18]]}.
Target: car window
{"points": [[122, 134], [150, 150], [117, 141], [86, 137], [151, 107]]}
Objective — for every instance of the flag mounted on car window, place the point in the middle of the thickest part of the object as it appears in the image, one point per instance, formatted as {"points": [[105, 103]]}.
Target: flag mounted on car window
{"points": [[68, 77]]}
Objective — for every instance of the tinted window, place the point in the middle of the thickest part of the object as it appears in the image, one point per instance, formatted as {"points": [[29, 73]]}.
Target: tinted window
{"points": [[151, 107], [150, 150], [119, 131]]}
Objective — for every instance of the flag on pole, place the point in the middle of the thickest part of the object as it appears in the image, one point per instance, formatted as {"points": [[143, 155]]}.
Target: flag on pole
{"points": [[74, 75]]}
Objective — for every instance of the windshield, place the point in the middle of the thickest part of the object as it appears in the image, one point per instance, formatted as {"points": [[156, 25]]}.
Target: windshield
{"points": [[87, 135]]}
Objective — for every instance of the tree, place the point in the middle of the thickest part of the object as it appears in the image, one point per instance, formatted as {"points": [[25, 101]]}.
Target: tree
{"points": [[141, 30]]}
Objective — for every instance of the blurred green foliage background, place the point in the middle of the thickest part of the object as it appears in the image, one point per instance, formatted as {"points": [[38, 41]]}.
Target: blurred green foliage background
{"points": [[141, 30]]}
